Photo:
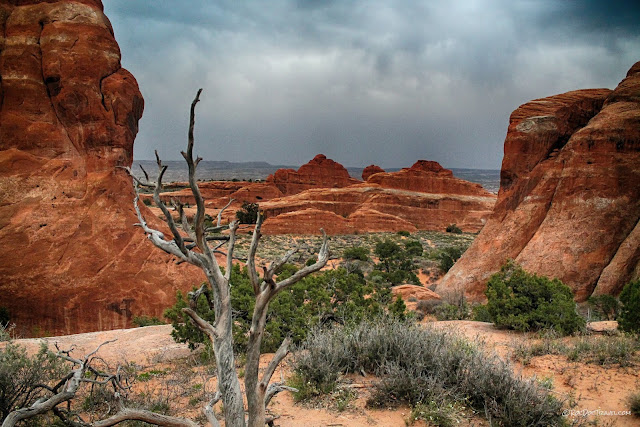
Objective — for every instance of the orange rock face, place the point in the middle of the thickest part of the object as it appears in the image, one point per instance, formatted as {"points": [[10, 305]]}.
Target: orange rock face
{"points": [[569, 200], [369, 208], [320, 172], [71, 259]]}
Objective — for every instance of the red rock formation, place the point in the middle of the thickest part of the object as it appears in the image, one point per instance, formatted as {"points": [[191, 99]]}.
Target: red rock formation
{"points": [[369, 208], [428, 177], [569, 200], [412, 291], [320, 172], [71, 259], [371, 170]]}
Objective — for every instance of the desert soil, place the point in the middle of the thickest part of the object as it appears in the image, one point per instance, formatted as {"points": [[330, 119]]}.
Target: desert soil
{"points": [[587, 387]]}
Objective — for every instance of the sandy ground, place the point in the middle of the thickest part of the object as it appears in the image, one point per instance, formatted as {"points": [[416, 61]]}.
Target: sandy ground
{"points": [[588, 387]]}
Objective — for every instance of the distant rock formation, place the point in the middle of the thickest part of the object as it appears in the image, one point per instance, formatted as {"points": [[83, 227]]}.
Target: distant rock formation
{"points": [[569, 200], [320, 172], [370, 170], [72, 261], [428, 177], [423, 197]]}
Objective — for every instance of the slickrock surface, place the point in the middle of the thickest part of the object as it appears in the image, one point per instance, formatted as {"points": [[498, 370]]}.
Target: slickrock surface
{"points": [[569, 200], [72, 261]]}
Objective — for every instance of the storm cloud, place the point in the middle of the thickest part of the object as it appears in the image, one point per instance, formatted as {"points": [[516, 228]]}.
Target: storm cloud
{"points": [[382, 82]]}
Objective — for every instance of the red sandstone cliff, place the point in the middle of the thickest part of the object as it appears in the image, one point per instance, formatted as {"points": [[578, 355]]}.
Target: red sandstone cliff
{"points": [[569, 200], [71, 259]]}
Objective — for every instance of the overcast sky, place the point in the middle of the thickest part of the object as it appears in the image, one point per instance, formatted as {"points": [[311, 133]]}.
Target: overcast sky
{"points": [[363, 82]]}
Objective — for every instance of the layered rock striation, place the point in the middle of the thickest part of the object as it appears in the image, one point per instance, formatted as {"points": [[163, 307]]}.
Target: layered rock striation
{"points": [[569, 199], [72, 261]]}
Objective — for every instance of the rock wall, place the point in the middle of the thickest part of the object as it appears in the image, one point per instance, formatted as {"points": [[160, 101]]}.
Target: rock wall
{"points": [[72, 261], [569, 200]]}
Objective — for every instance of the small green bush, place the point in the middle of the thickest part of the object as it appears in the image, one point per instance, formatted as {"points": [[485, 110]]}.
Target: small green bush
{"points": [[356, 253], [525, 302], [634, 403], [248, 213], [480, 313], [403, 233], [629, 316], [413, 248], [144, 320], [448, 256], [453, 228], [605, 306], [23, 378]]}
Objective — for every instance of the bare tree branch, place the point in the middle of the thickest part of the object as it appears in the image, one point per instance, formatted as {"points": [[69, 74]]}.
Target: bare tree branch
{"points": [[274, 389], [281, 353], [323, 257], [208, 410], [202, 324], [233, 227], [128, 414], [251, 258], [222, 210]]}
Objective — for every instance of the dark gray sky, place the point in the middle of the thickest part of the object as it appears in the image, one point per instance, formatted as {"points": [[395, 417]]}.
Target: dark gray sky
{"points": [[382, 82]]}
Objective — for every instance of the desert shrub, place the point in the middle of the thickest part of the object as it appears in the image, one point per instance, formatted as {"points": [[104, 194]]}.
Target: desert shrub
{"points": [[413, 248], [417, 365], [395, 264], [144, 320], [448, 256], [336, 296], [356, 253], [248, 213], [522, 301], [629, 316], [453, 228], [633, 400], [599, 350], [23, 378], [403, 233], [606, 306], [480, 313]]}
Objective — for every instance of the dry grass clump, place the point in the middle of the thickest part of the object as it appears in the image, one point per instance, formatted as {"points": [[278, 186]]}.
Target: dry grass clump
{"points": [[428, 369]]}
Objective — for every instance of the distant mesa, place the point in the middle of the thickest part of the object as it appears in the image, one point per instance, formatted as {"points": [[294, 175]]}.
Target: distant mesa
{"points": [[569, 199]]}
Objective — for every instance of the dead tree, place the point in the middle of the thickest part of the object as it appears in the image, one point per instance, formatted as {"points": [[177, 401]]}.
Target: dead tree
{"points": [[83, 372], [189, 243]]}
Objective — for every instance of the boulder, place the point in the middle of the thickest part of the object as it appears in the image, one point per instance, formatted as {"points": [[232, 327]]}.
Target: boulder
{"points": [[72, 260], [569, 199]]}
